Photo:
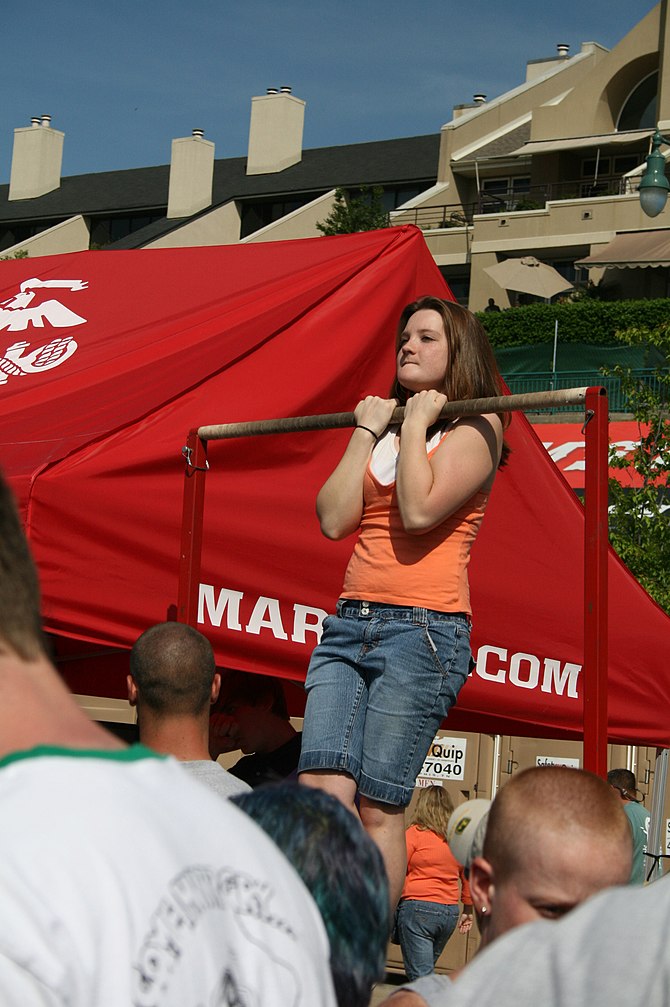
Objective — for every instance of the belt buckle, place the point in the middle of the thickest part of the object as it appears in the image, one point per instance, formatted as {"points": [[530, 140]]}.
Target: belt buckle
{"points": [[365, 608]]}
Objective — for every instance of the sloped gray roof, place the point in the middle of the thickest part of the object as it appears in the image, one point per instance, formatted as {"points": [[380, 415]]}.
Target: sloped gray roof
{"points": [[382, 162], [502, 145], [132, 189]]}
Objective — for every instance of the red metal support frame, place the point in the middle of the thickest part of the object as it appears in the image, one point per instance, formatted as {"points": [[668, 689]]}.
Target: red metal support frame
{"points": [[595, 582], [190, 554], [595, 671]]}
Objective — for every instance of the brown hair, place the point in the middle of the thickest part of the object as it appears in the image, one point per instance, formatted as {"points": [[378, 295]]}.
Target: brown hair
{"points": [[472, 372], [624, 781], [245, 688], [433, 810], [20, 619]]}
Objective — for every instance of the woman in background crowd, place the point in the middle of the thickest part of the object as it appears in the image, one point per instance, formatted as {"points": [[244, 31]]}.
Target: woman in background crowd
{"points": [[429, 911]]}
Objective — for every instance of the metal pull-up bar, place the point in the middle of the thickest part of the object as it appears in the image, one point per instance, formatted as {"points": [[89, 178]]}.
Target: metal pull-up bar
{"points": [[339, 421], [594, 402]]}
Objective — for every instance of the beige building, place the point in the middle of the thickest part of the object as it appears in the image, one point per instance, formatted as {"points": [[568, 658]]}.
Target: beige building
{"points": [[550, 169]]}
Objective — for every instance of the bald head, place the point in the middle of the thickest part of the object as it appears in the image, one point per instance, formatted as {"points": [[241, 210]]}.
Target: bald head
{"points": [[173, 667], [555, 836], [567, 803]]}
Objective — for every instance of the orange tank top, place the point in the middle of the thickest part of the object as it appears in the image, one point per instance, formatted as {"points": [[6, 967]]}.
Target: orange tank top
{"points": [[427, 571]]}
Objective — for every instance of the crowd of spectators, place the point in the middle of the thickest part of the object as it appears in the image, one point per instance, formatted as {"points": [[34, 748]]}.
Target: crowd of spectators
{"points": [[149, 875]]}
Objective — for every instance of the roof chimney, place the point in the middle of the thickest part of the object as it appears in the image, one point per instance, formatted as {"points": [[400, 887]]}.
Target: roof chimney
{"points": [[275, 131], [191, 175], [36, 160], [563, 49], [479, 99]]}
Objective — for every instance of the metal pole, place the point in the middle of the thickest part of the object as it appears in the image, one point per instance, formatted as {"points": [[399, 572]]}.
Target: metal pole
{"points": [[595, 583], [193, 509], [332, 421], [495, 768], [656, 837]]}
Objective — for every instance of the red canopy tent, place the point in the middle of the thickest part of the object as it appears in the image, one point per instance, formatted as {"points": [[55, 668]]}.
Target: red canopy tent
{"points": [[565, 444], [148, 345]]}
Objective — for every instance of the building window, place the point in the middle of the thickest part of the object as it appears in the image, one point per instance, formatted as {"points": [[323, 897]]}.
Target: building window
{"points": [[12, 234], [499, 195], [602, 176], [626, 162], [106, 230], [639, 109], [262, 212], [458, 281], [395, 196], [392, 196]]}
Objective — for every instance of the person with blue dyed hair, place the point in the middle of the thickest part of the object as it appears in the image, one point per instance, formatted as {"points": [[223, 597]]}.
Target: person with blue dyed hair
{"points": [[344, 872]]}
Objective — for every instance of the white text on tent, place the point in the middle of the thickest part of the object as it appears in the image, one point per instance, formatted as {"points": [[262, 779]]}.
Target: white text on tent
{"points": [[523, 670], [265, 614]]}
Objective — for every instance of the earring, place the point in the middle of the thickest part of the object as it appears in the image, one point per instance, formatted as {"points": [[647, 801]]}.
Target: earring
{"points": [[484, 909]]}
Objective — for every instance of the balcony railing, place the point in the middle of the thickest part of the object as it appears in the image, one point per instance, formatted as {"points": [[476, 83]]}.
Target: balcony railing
{"points": [[534, 197], [539, 381]]}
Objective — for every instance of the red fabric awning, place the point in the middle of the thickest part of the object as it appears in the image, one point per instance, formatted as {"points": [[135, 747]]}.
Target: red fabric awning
{"points": [[110, 358]]}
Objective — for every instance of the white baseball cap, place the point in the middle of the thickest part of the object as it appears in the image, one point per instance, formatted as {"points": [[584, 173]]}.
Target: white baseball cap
{"points": [[466, 830]]}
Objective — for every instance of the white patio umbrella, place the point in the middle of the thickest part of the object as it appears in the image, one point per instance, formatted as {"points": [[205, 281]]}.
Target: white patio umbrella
{"points": [[529, 276]]}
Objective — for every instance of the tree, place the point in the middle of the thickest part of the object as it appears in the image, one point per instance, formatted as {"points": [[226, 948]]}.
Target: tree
{"points": [[351, 214], [640, 515]]}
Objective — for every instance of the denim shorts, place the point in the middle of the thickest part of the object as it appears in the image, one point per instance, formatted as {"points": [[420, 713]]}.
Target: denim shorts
{"points": [[379, 685]]}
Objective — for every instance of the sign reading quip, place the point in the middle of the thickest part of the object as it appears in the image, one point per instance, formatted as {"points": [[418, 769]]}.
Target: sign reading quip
{"points": [[445, 759]]}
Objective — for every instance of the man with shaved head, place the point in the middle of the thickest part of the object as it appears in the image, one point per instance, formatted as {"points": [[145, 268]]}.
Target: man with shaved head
{"points": [[173, 681], [554, 837]]}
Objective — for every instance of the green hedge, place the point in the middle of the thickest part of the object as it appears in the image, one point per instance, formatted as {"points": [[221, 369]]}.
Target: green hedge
{"points": [[589, 321]]}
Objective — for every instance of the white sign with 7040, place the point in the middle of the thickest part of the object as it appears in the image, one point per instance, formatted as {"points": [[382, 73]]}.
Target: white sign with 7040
{"points": [[445, 759]]}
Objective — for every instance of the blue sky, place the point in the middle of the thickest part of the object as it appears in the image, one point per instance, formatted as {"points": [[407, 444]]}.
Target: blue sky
{"points": [[123, 78]]}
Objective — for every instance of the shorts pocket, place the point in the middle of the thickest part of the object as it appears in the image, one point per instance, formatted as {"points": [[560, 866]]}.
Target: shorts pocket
{"points": [[448, 644]]}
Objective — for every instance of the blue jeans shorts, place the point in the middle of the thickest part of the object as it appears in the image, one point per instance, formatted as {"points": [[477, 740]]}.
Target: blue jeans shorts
{"points": [[379, 685], [423, 930]]}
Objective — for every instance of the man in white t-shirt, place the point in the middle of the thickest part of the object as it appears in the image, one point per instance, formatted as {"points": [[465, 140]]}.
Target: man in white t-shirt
{"points": [[123, 881]]}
